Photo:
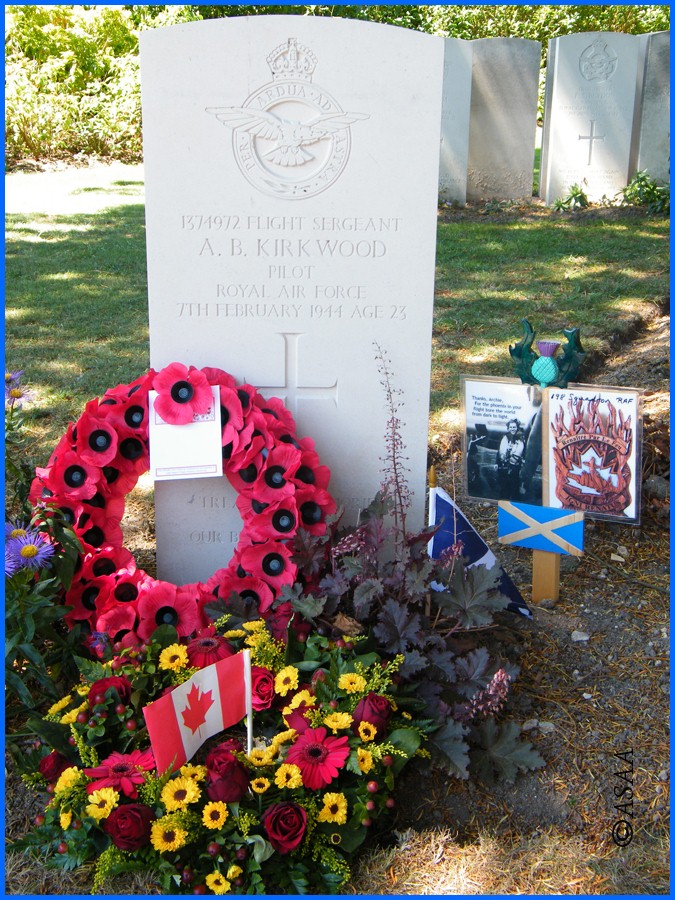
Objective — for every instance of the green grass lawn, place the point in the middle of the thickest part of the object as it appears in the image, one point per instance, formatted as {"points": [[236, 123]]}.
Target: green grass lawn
{"points": [[76, 297]]}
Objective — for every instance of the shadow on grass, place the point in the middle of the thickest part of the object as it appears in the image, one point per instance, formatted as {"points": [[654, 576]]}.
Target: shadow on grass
{"points": [[76, 305]]}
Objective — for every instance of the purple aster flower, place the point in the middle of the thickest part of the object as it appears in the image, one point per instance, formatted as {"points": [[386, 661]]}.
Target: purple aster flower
{"points": [[16, 528], [12, 378], [11, 563], [15, 394], [32, 550]]}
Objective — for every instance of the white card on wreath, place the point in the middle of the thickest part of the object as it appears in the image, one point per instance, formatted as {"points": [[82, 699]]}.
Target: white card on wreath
{"points": [[186, 451]]}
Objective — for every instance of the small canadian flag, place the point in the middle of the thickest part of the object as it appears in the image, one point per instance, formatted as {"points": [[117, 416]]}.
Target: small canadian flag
{"points": [[215, 698]]}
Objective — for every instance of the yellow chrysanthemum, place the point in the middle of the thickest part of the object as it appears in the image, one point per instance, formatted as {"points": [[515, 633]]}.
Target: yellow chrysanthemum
{"points": [[173, 658], [102, 802], [234, 872], [197, 773], [234, 633], [262, 756], [284, 737], [351, 683], [260, 785], [337, 720], [334, 809], [286, 680], [83, 689], [217, 883], [215, 814], [67, 779], [364, 759], [367, 731], [301, 697], [254, 639], [59, 705], [70, 717], [258, 625], [288, 776], [165, 835], [65, 819], [179, 793]]}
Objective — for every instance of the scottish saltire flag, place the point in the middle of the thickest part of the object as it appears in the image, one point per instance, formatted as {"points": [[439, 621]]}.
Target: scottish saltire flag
{"points": [[455, 527], [215, 698]]}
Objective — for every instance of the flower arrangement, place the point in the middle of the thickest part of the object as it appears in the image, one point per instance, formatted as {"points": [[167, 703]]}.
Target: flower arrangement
{"points": [[333, 729]]}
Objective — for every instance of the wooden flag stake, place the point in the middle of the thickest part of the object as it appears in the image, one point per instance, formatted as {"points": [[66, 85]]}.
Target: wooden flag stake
{"points": [[545, 575]]}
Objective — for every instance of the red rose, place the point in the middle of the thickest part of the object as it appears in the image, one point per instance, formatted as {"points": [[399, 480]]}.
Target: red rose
{"points": [[262, 686], [129, 826], [374, 709], [285, 825], [228, 779], [120, 682], [52, 765]]}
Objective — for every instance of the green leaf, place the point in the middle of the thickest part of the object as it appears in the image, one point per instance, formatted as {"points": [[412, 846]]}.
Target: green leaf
{"points": [[501, 752], [262, 849], [472, 595], [452, 748], [90, 669], [54, 735], [365, 596]]}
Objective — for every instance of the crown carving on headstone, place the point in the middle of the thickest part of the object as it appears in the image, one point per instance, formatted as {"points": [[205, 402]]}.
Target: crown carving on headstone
{"points": [[292, 60]]}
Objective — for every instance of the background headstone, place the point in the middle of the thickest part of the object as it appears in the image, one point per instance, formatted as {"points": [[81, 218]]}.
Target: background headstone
{"points": [[455, 121], [593, 84], [291, 169], [653, 134], [505, 79]]}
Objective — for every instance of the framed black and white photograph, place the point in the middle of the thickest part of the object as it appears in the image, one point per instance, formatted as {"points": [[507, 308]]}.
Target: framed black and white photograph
{"points": [[502, 439]]}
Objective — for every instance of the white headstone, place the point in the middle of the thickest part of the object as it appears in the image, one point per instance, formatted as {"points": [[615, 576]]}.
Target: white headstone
{"points": [[503, 127], [654, 130], [291, 168], [455, 121], [592, 84]]}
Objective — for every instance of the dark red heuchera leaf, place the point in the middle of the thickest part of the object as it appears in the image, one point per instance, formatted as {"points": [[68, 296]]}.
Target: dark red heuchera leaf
{"points": [[199, 703]]}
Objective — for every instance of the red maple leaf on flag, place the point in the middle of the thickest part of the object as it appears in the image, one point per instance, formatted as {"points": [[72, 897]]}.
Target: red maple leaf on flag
{"points": [[194, 714]]}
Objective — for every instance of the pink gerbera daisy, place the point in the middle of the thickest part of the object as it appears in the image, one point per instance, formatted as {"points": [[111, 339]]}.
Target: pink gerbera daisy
{"points": [[122, 771], [182, 394], [207, 648], [318, 756]]}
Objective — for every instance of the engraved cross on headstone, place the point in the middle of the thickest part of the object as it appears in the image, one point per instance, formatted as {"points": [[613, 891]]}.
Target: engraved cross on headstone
{"points": [[590, 138], [290, 391]]}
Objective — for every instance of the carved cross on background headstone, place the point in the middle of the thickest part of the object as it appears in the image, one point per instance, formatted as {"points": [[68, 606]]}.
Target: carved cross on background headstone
{"points": [[290, 391]]}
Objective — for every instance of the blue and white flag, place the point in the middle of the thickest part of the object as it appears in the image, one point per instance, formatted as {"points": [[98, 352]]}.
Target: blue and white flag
{"points": [[454, 527]]}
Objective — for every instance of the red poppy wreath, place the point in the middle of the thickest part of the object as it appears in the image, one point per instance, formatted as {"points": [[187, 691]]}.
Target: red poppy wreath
{"points": [[281, 486]]}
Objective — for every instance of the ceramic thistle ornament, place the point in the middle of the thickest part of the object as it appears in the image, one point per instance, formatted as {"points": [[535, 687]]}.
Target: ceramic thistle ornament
{"points": [[549, 368]]}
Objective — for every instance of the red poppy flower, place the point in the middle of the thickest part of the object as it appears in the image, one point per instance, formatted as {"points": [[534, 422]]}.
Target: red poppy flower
{"points": [[69, 474], [245, 463], [182, 394], [129, 417], [122, 771], [132, 459], [105, 561], [318, 756], [96, 438], [225, 582], [310, 472], [207, 648], [274, 478], [276, 522], [117, 620], [87, 598], [270, 561], [129, 584], [98, 525], [314, 504], [162, 604], [279, 418]]}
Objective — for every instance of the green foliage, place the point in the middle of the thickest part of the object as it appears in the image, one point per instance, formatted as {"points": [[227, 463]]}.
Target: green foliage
{"points": [[499, 751], [575, 199], [644, 191]]}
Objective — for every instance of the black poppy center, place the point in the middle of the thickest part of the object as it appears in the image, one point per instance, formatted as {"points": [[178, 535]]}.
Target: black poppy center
{"points": [[110, 474], [134, 416], [103, 567], [257, 506], [94, 536], [100, 440], [68, 515], [126, 593], [283, 520], [224, 415], [98, 501], [166, 615], [89, 596], [310, 512], [182, 392], [306, 475], [244, 399], [249, 474], [74, 476], [273, 564], [274, 477], [250, 595], [131, 448]]}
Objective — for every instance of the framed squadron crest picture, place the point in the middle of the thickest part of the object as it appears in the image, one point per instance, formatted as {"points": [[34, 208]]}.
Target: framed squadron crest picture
{"points": [[593, 451]]}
